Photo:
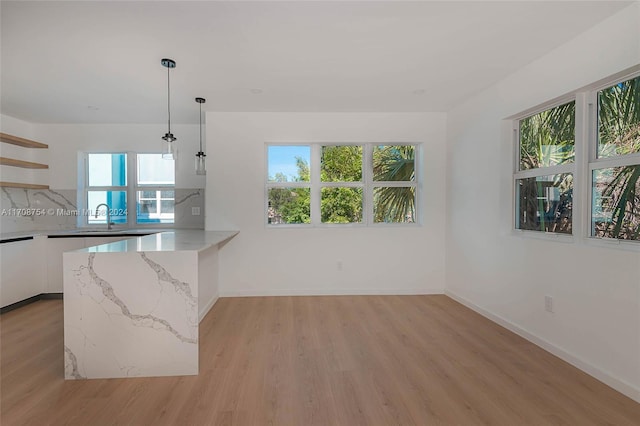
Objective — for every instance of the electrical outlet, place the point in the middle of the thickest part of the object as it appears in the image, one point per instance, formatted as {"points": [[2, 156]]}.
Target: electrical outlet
{"points": [[548, 303], [195, 211]]}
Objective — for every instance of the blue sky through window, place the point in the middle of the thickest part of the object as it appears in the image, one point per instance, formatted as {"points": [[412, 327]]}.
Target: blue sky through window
{"points": [[282, 159]]}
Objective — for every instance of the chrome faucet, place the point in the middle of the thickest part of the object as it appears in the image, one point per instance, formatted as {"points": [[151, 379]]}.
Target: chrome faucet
{"points": [[108, 213]]}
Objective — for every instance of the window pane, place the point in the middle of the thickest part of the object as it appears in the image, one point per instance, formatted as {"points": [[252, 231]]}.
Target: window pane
{"points": [[117, 202], [547, 139], [619, 119], [289, 205], [545, 203], [152, 209], [341, 164], [155, 170], [341, 205], [107, 169], [288, 163], [615, 211], [167, 194], [147, 207], [394, 204], [394, 163], [166, 206]]}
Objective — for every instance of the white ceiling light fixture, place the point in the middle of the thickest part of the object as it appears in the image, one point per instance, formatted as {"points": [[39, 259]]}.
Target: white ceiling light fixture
{"points": [[200, 160], [168, 149]]}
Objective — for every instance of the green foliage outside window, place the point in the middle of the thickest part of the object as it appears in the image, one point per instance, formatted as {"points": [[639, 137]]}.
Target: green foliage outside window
{"points": [[291, 205], [616, 203], [344, 204], [547, 139], [394, 163]]}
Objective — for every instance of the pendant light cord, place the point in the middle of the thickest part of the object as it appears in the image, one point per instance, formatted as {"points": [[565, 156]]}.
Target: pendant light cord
{"points": [[169, 98], [200, 126]]}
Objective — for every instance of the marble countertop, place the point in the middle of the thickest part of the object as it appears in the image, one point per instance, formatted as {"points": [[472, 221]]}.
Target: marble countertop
{"points": [[154, 239], [174, 240], [80, 232]]}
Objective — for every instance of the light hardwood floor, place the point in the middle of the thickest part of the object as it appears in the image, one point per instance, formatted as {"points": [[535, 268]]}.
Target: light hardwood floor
{"points": [[345, 360]]}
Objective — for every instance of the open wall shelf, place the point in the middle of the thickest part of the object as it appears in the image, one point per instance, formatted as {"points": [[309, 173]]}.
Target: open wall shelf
{"points": [[6, 161], [25, 143], [23, 185]]}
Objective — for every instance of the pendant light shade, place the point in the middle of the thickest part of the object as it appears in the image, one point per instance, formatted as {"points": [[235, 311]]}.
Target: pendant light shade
{"points": [[168, 149], [200, 156]]}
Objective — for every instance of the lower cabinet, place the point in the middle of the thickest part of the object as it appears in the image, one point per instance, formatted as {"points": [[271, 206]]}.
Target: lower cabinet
{"points": [[23, 270], [31, 267], [55, 248]]}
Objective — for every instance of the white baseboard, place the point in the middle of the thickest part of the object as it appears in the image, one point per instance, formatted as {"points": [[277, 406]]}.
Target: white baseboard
{"points": [[621, 386], [331, 292], [205, 310]]}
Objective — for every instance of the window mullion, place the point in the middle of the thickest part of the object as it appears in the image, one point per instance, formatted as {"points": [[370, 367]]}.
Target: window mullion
{"points": [[315, 184], [621, 160], [367, 178], [397, 183], [546, 171], [288, 184], [132, 185], [583, 145]]}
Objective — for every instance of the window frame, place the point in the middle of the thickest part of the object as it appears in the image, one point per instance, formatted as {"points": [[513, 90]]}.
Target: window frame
{"points": [[585, 163], [595, 163], [367, 184], [567, 168], [131, 189], [146, 187]]}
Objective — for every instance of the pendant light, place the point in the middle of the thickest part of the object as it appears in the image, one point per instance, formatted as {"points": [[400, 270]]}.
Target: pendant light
{"points": [[200, 165], [168, 149]]}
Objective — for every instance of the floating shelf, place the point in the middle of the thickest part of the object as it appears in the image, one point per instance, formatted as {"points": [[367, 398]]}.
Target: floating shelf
{"points": [[5, 161], [23, 185], [26, 143]]}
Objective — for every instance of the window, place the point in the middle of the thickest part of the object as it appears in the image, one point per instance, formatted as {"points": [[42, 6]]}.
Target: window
{"points": [[107, 184], [394, 189], [341, 190], [154, 189], [545, 177], [106, 178], [341, 184], [544, 180], [615, 170]]}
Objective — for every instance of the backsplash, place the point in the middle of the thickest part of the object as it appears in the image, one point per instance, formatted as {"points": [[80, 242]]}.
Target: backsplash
{"points": [[48, 209], [184, 201]]}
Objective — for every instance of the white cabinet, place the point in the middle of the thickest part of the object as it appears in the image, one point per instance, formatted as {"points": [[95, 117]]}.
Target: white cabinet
{"points": [[23, 267], [55, 248], [32, 267]]}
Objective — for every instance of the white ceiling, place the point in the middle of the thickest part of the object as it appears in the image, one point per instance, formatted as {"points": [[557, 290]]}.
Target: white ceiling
{"points": [[99, 61]]}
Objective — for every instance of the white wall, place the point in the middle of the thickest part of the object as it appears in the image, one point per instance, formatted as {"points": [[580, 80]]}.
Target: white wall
{"points": [[65, 140], [16, 127], [266, 261], [596, 289]]}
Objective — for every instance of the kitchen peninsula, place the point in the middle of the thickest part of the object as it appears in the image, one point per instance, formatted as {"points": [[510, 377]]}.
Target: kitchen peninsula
{"points": [[132, 307]]}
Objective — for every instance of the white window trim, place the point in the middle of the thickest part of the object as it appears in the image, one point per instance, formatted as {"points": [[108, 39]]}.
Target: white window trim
{"points": [[367, 184], [131, 189], [542, 171], [584, 164]]}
